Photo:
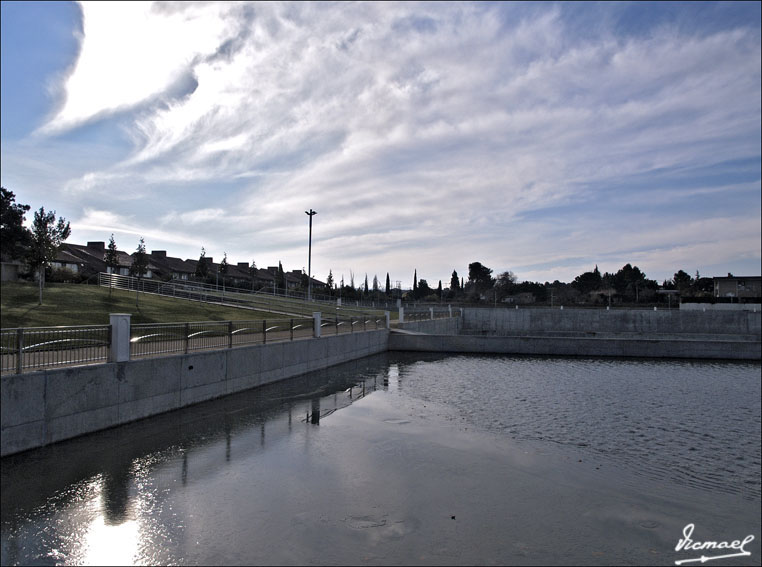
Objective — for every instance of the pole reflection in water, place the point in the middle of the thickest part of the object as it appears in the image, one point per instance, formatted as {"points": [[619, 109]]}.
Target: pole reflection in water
{"points": [[315, 415]]}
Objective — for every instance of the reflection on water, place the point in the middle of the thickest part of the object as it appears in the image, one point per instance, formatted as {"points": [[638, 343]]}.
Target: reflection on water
{"points": [[99, 501], [153, 491]]}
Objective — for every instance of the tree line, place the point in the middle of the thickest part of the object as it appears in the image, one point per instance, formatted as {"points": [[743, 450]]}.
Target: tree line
{"points": [[629, 284], [39, 246]]}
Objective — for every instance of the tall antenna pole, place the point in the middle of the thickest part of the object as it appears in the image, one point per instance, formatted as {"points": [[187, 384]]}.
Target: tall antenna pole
{"points": [[310, 213]]}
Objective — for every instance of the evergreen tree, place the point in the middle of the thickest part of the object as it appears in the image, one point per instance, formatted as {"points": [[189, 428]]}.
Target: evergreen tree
{"points": [[480, 276], [388, 284], [112, 261], [253, 273], [423, 289], [415, 284], [14, 236], [281, 277], [139, 265], [202, 266], [439, 290], [329, 282], [224, 269], [454, 282]]}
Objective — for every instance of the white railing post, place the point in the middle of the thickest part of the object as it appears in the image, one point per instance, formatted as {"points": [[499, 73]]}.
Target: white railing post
{"points": [[316, 318], [431, 310], [388, 320], [402, 314], [120, 337]]}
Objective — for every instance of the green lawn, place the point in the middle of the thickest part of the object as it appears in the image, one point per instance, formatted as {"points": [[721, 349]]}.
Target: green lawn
{"points": [[74, 304]]}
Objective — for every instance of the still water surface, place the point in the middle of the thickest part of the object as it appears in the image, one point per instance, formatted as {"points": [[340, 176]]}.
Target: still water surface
{"points": [[410, 459], [697, 423]]}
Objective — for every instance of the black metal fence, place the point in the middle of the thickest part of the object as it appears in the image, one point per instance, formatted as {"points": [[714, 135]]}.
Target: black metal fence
{"points": [[32, 348]]}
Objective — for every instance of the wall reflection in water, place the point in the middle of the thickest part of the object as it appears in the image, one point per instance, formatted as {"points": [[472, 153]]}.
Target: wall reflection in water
{"points": [[103, 497]]}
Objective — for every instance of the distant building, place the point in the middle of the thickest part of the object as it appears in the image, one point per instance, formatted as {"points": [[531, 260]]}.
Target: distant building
{"points": [[738, 286], [523, 298], [87, 261]]}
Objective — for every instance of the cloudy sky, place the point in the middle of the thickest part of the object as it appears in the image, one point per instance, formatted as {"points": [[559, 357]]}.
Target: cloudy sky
{"points": [[539, 138]]}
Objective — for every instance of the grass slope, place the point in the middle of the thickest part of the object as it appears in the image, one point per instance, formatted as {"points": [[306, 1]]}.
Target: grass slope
{"points": [[71, 304]]}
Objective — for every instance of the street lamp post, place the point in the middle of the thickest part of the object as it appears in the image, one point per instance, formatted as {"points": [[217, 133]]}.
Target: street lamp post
{"points": [[309, 213]]}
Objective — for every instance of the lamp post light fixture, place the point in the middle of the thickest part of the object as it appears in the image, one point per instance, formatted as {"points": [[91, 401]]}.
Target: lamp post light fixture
{"points": [[309, 213]]}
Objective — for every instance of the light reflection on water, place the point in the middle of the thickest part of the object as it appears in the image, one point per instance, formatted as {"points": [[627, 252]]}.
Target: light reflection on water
{"points": [[138, 493], [107, 498]]}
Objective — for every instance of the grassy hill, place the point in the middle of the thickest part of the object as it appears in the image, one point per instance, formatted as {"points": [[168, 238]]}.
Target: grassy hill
{"points": [[71, 304], [77, 304]]}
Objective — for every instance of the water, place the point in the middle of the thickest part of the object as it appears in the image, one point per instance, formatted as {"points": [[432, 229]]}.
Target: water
{"points": [[410, 459], [696, 423]]}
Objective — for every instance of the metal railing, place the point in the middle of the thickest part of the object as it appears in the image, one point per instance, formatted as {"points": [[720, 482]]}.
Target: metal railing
{"points": [[165, 338], [33, 348], [428, 315], [339, 325], [283, 304]]}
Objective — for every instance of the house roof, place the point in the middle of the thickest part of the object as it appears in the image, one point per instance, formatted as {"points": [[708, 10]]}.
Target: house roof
{"points": [[92, 256], [65, 257]]}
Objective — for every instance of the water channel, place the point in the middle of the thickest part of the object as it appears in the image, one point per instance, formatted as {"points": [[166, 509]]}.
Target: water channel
{"points": [[407, 458]]}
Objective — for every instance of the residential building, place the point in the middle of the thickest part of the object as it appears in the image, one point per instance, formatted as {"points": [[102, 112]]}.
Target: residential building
{"points": [[738, 286]]}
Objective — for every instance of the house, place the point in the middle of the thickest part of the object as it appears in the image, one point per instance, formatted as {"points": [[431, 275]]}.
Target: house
{"points": [[738, 286], [87, 261], [292, 281], [93, 259], [10, 270], [171, 268], [66, 261], [264, 279]]}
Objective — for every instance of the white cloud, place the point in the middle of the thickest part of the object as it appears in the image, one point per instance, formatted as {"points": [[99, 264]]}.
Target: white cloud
{"points": [[132, 51], [409, 126]]}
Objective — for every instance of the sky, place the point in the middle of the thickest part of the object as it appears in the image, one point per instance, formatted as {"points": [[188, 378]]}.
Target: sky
{"points": [[539, 138]]}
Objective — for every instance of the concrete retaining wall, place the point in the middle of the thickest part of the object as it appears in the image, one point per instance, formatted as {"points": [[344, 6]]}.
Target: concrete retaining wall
{"points": [[43, 407], [720, 307], [529, 321], [580, 346], [449, 326]]}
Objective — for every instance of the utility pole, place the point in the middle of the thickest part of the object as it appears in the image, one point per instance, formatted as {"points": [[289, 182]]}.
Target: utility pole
{"points": [[309, 213]]}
